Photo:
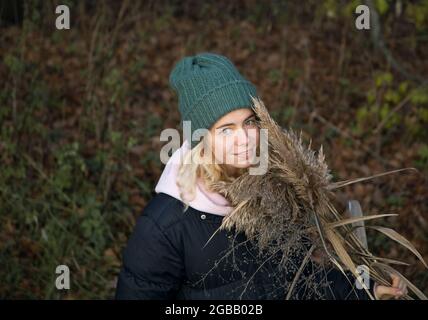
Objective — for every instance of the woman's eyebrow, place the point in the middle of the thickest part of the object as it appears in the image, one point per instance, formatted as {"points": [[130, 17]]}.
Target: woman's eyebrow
{"points": [[232, 124]]}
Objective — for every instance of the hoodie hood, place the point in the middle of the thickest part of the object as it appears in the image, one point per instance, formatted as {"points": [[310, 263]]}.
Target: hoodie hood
{"points": [[205, 201]]}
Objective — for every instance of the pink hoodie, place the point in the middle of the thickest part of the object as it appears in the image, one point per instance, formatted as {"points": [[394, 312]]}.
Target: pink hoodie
{"points": [[205, 201]]}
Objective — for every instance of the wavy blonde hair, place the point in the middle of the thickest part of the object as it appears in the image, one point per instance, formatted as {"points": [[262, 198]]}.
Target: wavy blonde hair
{"points": [[197, 164]]}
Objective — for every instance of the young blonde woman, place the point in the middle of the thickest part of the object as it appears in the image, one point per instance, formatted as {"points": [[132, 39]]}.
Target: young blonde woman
{"points": [[168, 256]]}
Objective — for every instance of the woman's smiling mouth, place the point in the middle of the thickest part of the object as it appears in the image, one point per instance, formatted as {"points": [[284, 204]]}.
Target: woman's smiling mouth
{"points": [[245, 153]]}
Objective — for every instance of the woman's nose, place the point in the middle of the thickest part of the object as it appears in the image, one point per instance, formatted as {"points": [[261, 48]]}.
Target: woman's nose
{"points": [[241, 137]]}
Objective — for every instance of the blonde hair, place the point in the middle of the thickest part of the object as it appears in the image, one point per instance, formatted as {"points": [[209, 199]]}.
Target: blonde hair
{"points": [[197, 164]]}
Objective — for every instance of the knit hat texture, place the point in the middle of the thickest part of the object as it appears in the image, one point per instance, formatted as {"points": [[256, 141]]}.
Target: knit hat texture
{"points": [[208, 86]]}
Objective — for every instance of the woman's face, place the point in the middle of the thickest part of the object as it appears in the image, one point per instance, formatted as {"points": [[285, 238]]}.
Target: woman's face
{"points": [[234, 138]]}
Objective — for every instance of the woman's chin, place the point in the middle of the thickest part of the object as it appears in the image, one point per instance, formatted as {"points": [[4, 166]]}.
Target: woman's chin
{"points": [[242, 163], [242, 166]]}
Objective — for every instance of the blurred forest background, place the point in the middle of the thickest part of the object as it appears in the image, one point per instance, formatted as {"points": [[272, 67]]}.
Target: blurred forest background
{"points": [[81, 111]]}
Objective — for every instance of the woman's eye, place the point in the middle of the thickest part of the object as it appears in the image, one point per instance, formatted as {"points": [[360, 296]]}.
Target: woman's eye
{"points": [[226, 131], [251, 122]]}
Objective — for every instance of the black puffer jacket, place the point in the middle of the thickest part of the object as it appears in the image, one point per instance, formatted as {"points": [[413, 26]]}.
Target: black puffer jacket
{"points": [[166, 258]]}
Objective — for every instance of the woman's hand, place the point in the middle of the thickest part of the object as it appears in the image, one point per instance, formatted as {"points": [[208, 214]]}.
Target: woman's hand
{"points": [[397, 290]]}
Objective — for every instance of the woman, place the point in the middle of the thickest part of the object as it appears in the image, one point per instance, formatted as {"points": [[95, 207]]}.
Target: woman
{"points": [[176, 250]]}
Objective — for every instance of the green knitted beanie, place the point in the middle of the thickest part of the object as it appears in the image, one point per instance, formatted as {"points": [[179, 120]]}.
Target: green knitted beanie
{"points": [[209, 86]]}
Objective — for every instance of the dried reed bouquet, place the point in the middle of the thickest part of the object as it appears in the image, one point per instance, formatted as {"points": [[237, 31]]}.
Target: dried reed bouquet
{"points": [[292, 203]]}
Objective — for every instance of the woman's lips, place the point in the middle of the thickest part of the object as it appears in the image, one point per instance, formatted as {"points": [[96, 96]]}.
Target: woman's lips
{"points": [[244, 153]]}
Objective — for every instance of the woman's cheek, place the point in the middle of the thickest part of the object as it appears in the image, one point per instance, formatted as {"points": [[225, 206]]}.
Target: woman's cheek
{"points": [[221, 151], [229, 156], [254, 136]]}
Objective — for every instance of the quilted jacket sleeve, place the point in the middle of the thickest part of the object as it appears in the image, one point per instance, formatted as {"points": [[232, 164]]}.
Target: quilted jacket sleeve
{"points": [[152, 266]]}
